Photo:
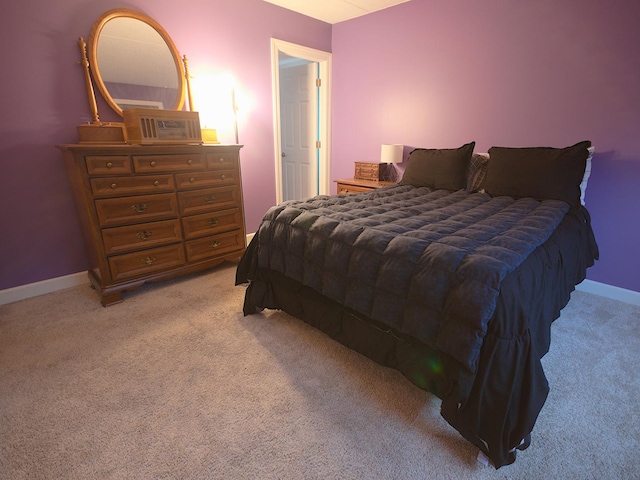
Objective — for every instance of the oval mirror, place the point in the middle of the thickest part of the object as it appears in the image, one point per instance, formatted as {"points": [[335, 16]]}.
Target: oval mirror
{"points": [[135, 63]]}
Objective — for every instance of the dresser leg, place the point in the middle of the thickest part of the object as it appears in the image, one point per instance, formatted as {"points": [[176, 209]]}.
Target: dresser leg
{"points": [[111, 298]]}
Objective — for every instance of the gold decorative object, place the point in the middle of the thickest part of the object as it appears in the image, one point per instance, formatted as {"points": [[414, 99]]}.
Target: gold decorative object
{"points": [[149, 260], [209, 135], [139, 207]]}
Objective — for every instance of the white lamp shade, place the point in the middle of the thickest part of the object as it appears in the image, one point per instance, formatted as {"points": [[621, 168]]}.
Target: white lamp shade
{"points": [[391, 153]]}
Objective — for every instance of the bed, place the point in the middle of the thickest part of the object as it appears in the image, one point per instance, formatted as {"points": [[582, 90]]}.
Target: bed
{"points": [[452, 277]]}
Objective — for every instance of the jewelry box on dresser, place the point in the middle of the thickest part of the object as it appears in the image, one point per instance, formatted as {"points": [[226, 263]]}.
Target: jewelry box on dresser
{"points": [[155, 212]]}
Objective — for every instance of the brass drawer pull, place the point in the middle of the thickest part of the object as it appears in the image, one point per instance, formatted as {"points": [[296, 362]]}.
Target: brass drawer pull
{"points": [[144, 235], [221, 160], [156, 183], [148, 260], [152, 163], [210, 198], [109, 164], [114, 186], [213, 221], [191, 180], [214, 244], [222, 177], [189, 162], [139, 207]]}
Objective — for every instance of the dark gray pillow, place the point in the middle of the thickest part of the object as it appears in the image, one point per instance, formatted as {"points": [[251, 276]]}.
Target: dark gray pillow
{"points": [[537, 172], [438, 168]]}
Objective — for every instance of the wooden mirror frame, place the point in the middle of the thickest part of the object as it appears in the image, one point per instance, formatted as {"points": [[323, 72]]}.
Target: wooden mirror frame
{"points": [[93, 53]]}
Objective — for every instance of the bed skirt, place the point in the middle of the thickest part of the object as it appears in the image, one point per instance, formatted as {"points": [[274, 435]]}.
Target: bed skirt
{"points": [[495, 407]]}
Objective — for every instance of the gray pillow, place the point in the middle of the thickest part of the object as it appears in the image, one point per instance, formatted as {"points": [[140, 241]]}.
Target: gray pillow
{"points": [[537, 172], [438, 169]]}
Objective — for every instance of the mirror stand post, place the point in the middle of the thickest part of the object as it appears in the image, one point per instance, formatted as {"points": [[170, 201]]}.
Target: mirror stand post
{"points": [[96, 131], [187, 79], [84, 61]]}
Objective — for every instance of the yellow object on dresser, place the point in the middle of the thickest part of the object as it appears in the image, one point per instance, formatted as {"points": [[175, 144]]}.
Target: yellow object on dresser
{"points": [[150, 213]]}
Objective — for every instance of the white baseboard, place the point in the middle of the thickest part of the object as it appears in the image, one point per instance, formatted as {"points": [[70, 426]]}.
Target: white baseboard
{"points": [[21, 292], [609, 291], [40, 288], [75, 279]]}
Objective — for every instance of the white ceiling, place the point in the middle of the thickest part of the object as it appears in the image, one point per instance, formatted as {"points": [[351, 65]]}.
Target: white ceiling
{"points": [[334, 11]]}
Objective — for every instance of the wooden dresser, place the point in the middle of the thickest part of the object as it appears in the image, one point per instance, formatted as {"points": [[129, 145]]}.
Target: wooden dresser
{"points": [[150, 213]]}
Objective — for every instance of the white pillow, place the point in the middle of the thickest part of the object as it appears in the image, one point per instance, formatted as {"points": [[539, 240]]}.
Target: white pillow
{"points": [[587, 173]]}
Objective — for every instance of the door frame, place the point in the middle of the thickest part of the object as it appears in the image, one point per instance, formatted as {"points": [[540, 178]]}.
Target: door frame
{"points": [[324, 125]]}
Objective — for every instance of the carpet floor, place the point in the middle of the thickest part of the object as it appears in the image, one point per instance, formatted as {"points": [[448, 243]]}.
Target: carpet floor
{"points": [[176, 383]]}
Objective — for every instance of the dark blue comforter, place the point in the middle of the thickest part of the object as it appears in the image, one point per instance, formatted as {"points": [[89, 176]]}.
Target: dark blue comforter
{"points": [[428, 264]]}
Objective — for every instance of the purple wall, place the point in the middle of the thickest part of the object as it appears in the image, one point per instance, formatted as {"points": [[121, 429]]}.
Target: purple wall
{"points": [[440, 73], [43, 99], [434, 73]]}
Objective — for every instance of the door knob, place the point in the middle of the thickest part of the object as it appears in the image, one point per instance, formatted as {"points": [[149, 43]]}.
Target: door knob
{"points": [[284, 154]]}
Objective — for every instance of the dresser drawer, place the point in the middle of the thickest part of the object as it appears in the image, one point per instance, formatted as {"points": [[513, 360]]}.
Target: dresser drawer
{"points": [[222, 161], [145, 235], [142, 208], [352, 189], [108, 164], [207, 179], [213, 246], [132, 185], [209, 223], [145, 262], [135, 202], [168, 163], [208, 200]]}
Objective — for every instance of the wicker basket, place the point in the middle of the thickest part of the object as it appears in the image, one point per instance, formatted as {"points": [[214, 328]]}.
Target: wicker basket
{"points": [[370, 171]]}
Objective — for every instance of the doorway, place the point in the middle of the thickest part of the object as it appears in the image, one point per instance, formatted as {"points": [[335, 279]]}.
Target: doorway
{"points": [[299, 95], [301, 120]]}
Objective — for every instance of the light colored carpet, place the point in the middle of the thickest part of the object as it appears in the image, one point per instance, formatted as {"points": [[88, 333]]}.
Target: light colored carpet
{"points": [[176, 383]]}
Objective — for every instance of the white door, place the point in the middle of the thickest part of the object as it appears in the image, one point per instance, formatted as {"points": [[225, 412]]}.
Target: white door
{"points": [[299, 127], [288, 53]]}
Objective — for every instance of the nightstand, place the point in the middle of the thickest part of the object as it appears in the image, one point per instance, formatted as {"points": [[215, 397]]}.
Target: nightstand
{"points": [[354, 185]]}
